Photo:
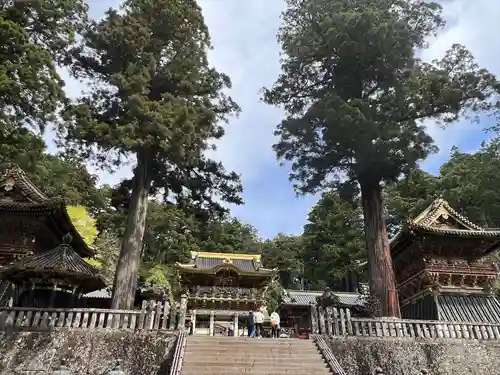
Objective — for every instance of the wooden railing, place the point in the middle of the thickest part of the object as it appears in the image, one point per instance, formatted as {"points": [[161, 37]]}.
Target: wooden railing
{"points": [[339, 322], [153, 317]]}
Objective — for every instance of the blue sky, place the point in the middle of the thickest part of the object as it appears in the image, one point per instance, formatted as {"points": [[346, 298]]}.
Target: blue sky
{"points": [[245, 48]]}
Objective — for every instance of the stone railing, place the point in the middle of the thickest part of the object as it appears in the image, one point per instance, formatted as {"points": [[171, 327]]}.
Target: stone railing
{"points": [[327, 354], [178, 357], [153, 316], [339, 322]]}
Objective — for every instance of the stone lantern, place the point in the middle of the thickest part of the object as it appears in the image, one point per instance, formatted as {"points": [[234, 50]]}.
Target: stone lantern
{"points": [[117, 369]]}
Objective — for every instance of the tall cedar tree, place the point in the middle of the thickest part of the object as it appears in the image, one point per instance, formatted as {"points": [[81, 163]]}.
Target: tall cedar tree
{"points": [[34, 36], [355, 95], [154, 96]]}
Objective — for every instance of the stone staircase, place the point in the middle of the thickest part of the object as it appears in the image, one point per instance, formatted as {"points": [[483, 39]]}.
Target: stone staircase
{"points": [[242, 355]]}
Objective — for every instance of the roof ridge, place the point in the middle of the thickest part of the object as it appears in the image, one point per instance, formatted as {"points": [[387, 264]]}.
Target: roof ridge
{"points": [[32, 192], [429, 214]]}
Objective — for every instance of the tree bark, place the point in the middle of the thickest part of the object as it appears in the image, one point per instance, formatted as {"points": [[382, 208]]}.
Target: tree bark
{"points": [[382, 279], [127, 269]]}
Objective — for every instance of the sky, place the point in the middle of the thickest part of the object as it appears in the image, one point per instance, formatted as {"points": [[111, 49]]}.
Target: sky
{"points": [[244, 39]]}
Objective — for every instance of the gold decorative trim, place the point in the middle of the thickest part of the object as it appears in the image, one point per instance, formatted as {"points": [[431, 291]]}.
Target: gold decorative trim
{"points": [[201, 254]]}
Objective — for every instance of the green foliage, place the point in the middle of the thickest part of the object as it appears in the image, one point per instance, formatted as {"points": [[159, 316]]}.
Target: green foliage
{"points": [[153, 96], [35, 36], [274, 296], [107, 246], [229, 236], [332, 241], [170, 234], [83, 223], [285, 253], [467, 181], [356, 110]]}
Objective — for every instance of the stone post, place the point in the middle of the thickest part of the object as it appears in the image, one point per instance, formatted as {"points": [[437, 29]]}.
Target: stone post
{"points": [[322, 325], [314, 318], [173, 316], [236, 330], [212, 324], [182, 312], [193, 322]]}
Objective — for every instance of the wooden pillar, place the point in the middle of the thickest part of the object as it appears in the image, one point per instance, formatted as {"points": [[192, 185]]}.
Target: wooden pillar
{"points": [[10, 303], [212, 324], [193, 321], [53, 295], [236, 330], [182, 312], [313, 314]]}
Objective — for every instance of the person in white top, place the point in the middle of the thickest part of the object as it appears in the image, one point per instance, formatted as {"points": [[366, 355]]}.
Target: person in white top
{"points": [[275, 324], [259, 320]]}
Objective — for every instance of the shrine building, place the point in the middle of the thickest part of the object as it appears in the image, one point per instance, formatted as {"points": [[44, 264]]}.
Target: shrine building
{"points": [[444, 269], [41, 251], [222, 288]]}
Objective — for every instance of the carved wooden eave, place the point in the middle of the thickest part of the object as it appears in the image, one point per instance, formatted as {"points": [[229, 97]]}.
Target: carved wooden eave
{"points": [[14, 183], [19, 196], [442, 222]]}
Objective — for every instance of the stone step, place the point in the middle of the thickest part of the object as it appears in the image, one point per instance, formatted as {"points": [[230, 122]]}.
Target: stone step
{"points": [[256, 365], [277, 342], [251, 371], [246, 338], [253, 362], [251, 351], [244, 357], [260, 343]]}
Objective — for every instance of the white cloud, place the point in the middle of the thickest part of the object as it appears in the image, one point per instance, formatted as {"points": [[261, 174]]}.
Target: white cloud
{"points": [[243, 35]]}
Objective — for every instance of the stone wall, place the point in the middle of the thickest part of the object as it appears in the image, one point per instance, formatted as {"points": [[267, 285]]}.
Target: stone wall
{"points": [[86, 352], [360, 356]]}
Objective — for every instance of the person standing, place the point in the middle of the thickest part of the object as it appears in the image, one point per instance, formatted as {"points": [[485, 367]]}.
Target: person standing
{"points": [[275, 324], [251, 324], [259, 321]]}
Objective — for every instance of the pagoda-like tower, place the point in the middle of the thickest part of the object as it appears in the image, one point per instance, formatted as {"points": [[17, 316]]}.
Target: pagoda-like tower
{"points": [[443, 267], [53, 279], [220, 288]]}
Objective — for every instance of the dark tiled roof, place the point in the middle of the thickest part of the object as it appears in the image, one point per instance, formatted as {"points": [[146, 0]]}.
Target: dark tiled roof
{"points": [[470, 308], [305, 298], [61, 261], [246, 265], [22, 181], [101, 293], [205, 262]]}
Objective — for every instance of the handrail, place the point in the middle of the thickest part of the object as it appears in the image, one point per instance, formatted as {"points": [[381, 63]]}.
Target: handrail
{"points": [[180, 345], [327, 354]]}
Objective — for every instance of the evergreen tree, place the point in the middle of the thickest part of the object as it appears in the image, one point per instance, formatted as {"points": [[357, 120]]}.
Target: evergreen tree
{"points": [[332, 241], [356, 95], [154, 97], [35, 36]]}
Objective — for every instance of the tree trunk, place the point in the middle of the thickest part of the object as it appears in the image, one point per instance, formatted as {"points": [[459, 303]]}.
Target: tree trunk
{"points": [[382, 280], [127, 269]]}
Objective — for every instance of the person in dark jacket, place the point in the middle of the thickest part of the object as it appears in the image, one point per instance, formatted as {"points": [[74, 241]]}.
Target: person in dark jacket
{"points": [[251, 324]]}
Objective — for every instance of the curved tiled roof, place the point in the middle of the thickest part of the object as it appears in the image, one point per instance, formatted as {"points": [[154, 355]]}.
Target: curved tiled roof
{"points": [[245, 263], [428, 221], [61, 261], [28, 189], [308, 297]]}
